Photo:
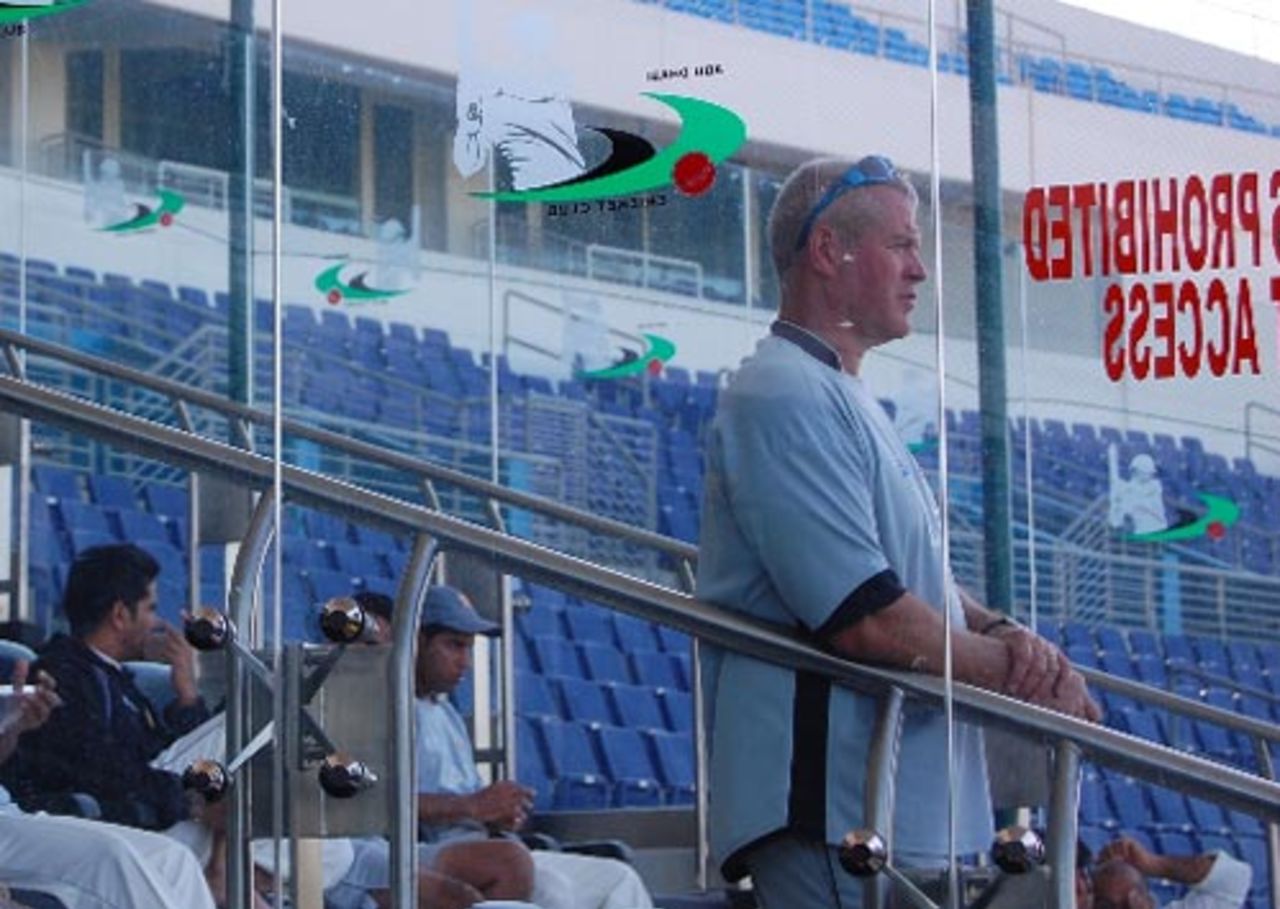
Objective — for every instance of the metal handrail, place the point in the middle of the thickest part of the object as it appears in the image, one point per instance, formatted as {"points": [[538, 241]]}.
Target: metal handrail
{"points": [[1180, 667], [1155, 763], [231, 410], [1196, 710], [681, 551]]}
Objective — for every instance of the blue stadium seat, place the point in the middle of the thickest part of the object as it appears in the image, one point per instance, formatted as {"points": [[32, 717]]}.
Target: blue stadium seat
{"points": [[1078, 634], [580, 783], [1150, 670], [543, 621], [1117, 663], [82, 517], [357, 561], [142, 528], [1206, 816], [673, 641], [654, 669], [165, 500], [111, 492], [585, 701], [674, 758], [605, 663], [328, 584], [589, 623], [633, 633], [321, 525], [303, 553], [1170, 810], [534, 697], [637, 707], [556, 656], [626, 759], [1128, 805], [1111, 640], [57, 482], [678, 706], [1142, 641], [533, 769]]}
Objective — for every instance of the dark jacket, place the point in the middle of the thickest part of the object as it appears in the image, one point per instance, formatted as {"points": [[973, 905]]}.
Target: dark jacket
{"points": [[101, 742]]}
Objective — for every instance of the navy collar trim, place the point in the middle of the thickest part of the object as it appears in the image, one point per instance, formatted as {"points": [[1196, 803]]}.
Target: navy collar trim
{"points": [[807, 341]]}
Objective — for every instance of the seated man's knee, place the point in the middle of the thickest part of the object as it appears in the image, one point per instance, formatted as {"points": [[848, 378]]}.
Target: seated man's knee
{"points": [[435, 891], [500, 869], [518, 863]]}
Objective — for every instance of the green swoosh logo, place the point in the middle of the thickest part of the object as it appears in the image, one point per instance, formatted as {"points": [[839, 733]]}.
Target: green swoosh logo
{"points": [[170, 204], [660, 351], [331, 285], [1220, 513], [715, 131], [17, 12]]}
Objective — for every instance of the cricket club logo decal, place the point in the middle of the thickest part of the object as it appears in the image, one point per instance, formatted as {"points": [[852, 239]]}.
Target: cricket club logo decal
{"points": [[1136, 504], [536, 137], [355, 290], [11, 13], [146, 217], [636, 363]]}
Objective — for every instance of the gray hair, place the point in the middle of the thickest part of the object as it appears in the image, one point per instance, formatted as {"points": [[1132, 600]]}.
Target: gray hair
{"points": [[802, 191]]}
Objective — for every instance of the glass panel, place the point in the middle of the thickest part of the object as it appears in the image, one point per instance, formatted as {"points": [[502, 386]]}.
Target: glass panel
{"points": [[1130, 305], [531, 245]]}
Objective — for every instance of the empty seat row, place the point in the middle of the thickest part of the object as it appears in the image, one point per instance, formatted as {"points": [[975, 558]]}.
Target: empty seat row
{"points": [[573, 766]]}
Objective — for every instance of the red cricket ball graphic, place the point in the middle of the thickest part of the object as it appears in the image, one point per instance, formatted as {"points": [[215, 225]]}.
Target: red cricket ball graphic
{"points": [[694, 174]]}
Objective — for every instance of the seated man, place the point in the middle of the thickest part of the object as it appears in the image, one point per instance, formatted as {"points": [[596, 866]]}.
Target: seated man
{"points": [[85, 864], [455, 808], [1119, 881], [103, 738]]}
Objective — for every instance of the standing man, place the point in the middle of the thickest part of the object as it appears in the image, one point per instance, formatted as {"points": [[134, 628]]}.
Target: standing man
{"points": [[816, 517]]}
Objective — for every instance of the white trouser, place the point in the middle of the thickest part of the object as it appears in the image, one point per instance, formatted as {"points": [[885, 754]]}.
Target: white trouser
{"points": [[564, 880], [95, 865]]}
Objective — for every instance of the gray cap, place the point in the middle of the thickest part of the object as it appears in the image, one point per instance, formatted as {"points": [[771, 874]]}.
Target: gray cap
{"points": [[449, 608]]}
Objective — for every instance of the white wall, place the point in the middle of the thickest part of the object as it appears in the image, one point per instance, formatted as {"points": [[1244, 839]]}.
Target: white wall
{"points": [[801, 96], [454, 295]]}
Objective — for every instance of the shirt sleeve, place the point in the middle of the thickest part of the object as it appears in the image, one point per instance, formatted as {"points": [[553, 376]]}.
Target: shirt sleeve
{"points": [[430, 753], [1226, 886], [800, 483]]}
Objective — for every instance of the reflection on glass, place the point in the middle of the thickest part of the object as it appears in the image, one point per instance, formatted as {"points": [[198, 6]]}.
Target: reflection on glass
{"points": [[579, 350]]}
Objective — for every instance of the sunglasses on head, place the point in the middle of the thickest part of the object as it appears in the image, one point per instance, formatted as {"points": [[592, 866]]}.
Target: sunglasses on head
{"points": [[873, 170]]}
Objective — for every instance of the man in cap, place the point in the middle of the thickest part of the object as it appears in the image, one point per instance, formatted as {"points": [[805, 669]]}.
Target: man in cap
{"points": [[456, 809]]}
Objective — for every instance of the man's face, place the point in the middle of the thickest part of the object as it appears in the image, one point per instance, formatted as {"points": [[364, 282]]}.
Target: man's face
{"points": [[878, 286], [1118, 885], [442, 662], [136, 625]]}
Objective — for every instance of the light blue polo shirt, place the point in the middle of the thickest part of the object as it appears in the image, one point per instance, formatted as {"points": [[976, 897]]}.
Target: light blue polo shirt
{"points": [[814, 514]]}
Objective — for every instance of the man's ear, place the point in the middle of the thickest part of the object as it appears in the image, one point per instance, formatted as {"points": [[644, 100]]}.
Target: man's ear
{"points": [[824, 250], [119, 613]]}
